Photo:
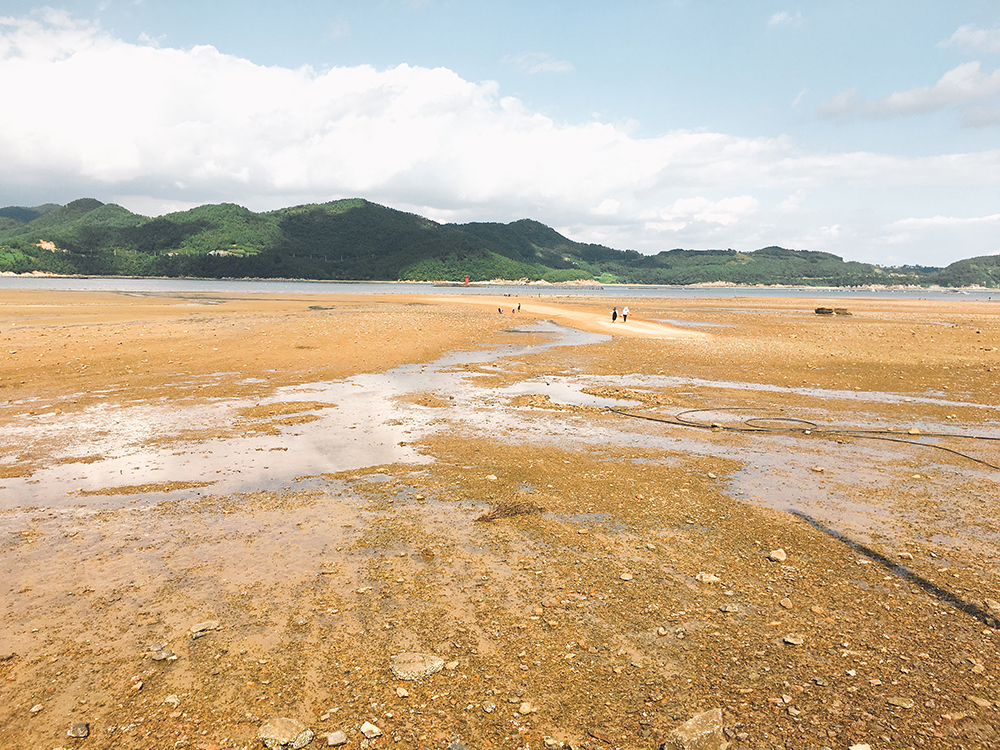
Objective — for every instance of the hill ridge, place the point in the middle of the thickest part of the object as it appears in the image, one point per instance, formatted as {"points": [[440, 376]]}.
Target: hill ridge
{"points": [[357, 239]]}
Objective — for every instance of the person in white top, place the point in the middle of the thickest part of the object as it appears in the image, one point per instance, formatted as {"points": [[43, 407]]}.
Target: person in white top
{"points": [[625, 314]]}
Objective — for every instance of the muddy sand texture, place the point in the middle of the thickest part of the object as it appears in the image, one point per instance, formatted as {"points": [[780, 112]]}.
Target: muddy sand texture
{"points": [[620, 579]]}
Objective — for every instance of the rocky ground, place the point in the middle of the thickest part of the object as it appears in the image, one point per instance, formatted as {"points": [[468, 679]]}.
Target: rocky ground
{"points": [[584, 577]]}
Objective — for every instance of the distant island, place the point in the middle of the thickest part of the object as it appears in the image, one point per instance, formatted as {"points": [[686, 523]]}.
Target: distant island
{"points": [[356, 239]]}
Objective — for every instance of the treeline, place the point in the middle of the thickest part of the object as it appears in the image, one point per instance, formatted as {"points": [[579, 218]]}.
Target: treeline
{"points": [[357, 239]]}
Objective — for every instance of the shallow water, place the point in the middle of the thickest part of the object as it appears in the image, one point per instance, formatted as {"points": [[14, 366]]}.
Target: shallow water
{"points": [[373, 420]]}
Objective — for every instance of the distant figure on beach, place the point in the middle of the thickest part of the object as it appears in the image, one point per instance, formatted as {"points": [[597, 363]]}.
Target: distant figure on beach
{"points": [[519, 307], [625, 314], [614, 314], [500, 310]]}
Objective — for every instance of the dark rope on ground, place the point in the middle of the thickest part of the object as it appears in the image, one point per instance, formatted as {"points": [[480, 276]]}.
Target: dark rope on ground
{"points": [[813, 428]]}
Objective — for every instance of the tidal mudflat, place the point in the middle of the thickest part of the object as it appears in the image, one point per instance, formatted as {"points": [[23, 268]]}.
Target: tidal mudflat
{"points": [[219, 510]]}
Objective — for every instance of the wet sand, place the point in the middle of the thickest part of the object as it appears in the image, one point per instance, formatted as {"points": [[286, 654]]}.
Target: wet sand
{"points": [[308, 471]]}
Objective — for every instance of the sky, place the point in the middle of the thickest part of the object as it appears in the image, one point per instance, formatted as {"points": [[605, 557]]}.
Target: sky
{"points": [[865, 128]]}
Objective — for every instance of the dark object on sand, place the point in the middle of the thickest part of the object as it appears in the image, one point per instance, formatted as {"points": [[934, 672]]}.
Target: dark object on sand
{"points": [[509, 509], [832, 311]]}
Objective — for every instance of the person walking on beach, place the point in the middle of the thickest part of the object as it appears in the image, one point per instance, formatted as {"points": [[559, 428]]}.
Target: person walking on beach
{"points": [[625, 314], [614, 314]]}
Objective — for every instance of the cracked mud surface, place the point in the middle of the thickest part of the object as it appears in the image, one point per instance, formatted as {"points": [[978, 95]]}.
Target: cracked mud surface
{"points": [[311, 479]]}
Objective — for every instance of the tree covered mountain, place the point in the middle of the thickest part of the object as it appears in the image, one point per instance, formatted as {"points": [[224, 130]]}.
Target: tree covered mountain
{"points": [[360, 240]]}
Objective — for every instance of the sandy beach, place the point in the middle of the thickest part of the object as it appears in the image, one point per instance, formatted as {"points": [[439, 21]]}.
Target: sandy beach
{"points": [[218, 510]]}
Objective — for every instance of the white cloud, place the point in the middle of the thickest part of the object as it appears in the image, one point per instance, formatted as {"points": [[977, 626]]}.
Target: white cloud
{"points": [[539, 62], [957, 237], [798, 99], [964, 83], [973, 38], [200, 126], [688, 210], [946, 221], [784, 18]]}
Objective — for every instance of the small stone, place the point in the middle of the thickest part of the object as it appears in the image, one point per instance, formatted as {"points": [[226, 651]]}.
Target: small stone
{"points": [[526, 708], [489, 708], [414, 666], [729, 608], [821, 682], [981, 702], [701, 732], [452, 665], [551, 744], [792, 711], [913, 431], [626, 576], [457, 745], [864, 746], [336, 739], [786, 603], [164, 655], [900, 702], [661, 631], [777, 555], [402, 692], [285, 734], [491, 477], [204, 627], [80, 730], [707, 578], [173, 700], [793, 640], [905, 556], [993, 606], [36, 708], [370, 731]]}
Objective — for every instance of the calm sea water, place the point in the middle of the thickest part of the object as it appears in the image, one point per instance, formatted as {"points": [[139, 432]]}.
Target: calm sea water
{"points": [[616, 291]]}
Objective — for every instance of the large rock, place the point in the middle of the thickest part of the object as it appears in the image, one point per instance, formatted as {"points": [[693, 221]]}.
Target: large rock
{"points": [[413, 666], [285, 734], [702, 732]]}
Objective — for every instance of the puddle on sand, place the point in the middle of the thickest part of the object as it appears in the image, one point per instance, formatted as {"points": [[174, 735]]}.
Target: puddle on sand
{"points": [[367, 423]]}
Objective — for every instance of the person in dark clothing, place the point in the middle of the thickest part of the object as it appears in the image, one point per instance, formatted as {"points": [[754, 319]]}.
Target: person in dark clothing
{"points": [[614, 314]]}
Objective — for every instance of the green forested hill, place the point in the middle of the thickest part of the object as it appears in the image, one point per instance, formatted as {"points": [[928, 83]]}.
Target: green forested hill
{"points": [[357, 239]]}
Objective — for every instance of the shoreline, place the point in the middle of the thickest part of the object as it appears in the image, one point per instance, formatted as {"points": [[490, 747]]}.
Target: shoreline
{"points": [[516, 283]]}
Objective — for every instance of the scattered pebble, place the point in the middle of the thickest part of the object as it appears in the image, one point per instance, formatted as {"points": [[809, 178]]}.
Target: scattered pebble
{"points": [[415, 666], [794, 640], [79, 730], [285, 734], [707, 578], [626, 576], [336, 739], [777, 555], [370, 731], [900, 702]]}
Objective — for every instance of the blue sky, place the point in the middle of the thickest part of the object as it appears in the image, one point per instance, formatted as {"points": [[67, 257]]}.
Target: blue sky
{"points": [[866, 129]]}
